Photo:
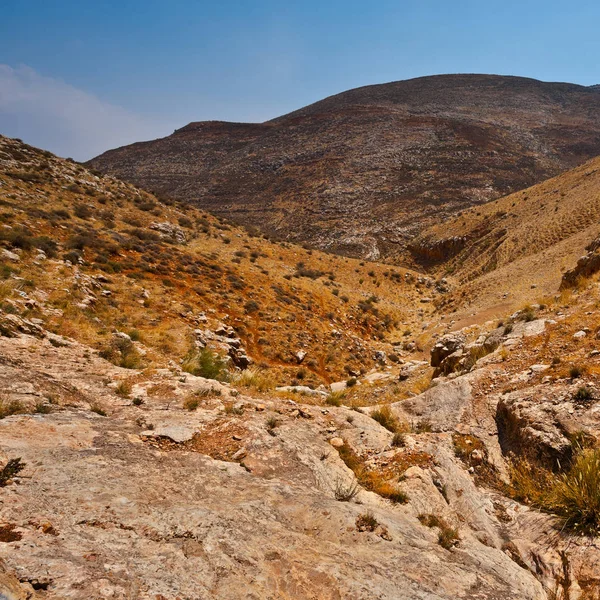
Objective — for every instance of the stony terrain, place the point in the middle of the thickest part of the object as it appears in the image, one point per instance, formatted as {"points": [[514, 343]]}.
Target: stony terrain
{"points": [[387, 438], [361, 173]]}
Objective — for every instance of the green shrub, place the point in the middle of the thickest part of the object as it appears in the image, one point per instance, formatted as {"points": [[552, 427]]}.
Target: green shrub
{"points": [[206, 363]]}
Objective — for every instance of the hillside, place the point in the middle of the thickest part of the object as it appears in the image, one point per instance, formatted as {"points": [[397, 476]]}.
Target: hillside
{"points": [[175, 275], [517, 248], [363, 172]]}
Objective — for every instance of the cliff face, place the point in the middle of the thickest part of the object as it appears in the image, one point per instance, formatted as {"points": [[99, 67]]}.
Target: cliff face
{"points": [[364, 171]]}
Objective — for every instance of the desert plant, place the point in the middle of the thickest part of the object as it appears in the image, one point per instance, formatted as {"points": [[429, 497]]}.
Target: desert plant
{"points": [[123, 389], [11, 469], [206, 363], [447, 536], [254, 378], [335, 398], [10, 407], [346, 491], [366, 522], [96, 408], [399, 439], [385, 417], [191, 403], [575, 496], [232, 409]]}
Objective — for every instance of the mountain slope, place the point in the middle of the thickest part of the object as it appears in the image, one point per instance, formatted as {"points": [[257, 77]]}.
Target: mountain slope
{"points": [[364, 171], [517, 248], [178, 278]]}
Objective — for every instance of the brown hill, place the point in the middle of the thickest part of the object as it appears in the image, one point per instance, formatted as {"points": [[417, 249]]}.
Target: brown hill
{"points": [[99, 256], [364, 171], [518, 248]]}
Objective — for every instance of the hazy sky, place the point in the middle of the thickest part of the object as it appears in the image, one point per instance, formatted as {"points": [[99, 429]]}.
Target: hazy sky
{"points": [[80, 76]]}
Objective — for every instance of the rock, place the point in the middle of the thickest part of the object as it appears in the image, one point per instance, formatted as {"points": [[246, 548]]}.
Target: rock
{"points": [[447, 345], [10, 588], [336, 442], [300, 356], [239, 358], [176, 433], [240, 454], [442, 405], [10, 255], [532, 426], [171, 231], [579, 335], [380, 356], [476, 457], [301, 389], [12, 325]]}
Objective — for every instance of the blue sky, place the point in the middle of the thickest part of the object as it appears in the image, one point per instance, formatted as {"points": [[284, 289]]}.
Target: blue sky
{"points": [[81, 76]]}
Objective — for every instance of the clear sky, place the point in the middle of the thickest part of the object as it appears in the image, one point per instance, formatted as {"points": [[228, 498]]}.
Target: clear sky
{"points": [[81, 76]]}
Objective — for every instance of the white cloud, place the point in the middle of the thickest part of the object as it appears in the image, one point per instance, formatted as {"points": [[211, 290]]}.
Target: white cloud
{"points": [[56, 116]]}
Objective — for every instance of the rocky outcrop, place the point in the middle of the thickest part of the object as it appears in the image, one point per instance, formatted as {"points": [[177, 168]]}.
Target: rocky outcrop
{"points": [[586, 266]]}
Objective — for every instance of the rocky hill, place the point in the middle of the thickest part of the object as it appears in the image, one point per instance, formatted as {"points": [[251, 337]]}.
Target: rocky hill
{"points": [[191, 411], [363, 172]]}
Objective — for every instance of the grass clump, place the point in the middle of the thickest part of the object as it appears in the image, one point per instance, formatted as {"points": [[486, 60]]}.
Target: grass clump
{"points": [[575, 496], [256, 379], [366, 522], [447, 536], [345, 492], [206, 363], [96, 408], [385, 417], [122, 353], [572, 495], [335, 398], [10, 407], [123, 389], [10, 470]]}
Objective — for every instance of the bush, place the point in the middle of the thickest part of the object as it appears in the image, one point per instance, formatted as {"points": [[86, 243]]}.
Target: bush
{"points": [[123, 353], [10, 407], [82, 211], [575, 496], [385, 417], [366, 522], [206, 363]]}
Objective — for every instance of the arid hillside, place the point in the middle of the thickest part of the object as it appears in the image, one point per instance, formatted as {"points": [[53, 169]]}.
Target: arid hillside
{"points": [[520, 247], [97, 256], [363, 172]]}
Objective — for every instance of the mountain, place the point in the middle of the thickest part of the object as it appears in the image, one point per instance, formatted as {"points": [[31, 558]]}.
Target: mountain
{"points": [[363, 172]]}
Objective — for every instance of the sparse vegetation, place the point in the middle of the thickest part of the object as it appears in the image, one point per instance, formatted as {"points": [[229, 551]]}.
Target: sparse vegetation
{"points": [[448, 536], [346, 491], [11, 470], [10, 407], [366, 522], [206, 363], [254, 378]]}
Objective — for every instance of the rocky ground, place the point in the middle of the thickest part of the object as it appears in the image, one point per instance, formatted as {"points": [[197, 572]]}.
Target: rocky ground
{"points": [[241, 495]]}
